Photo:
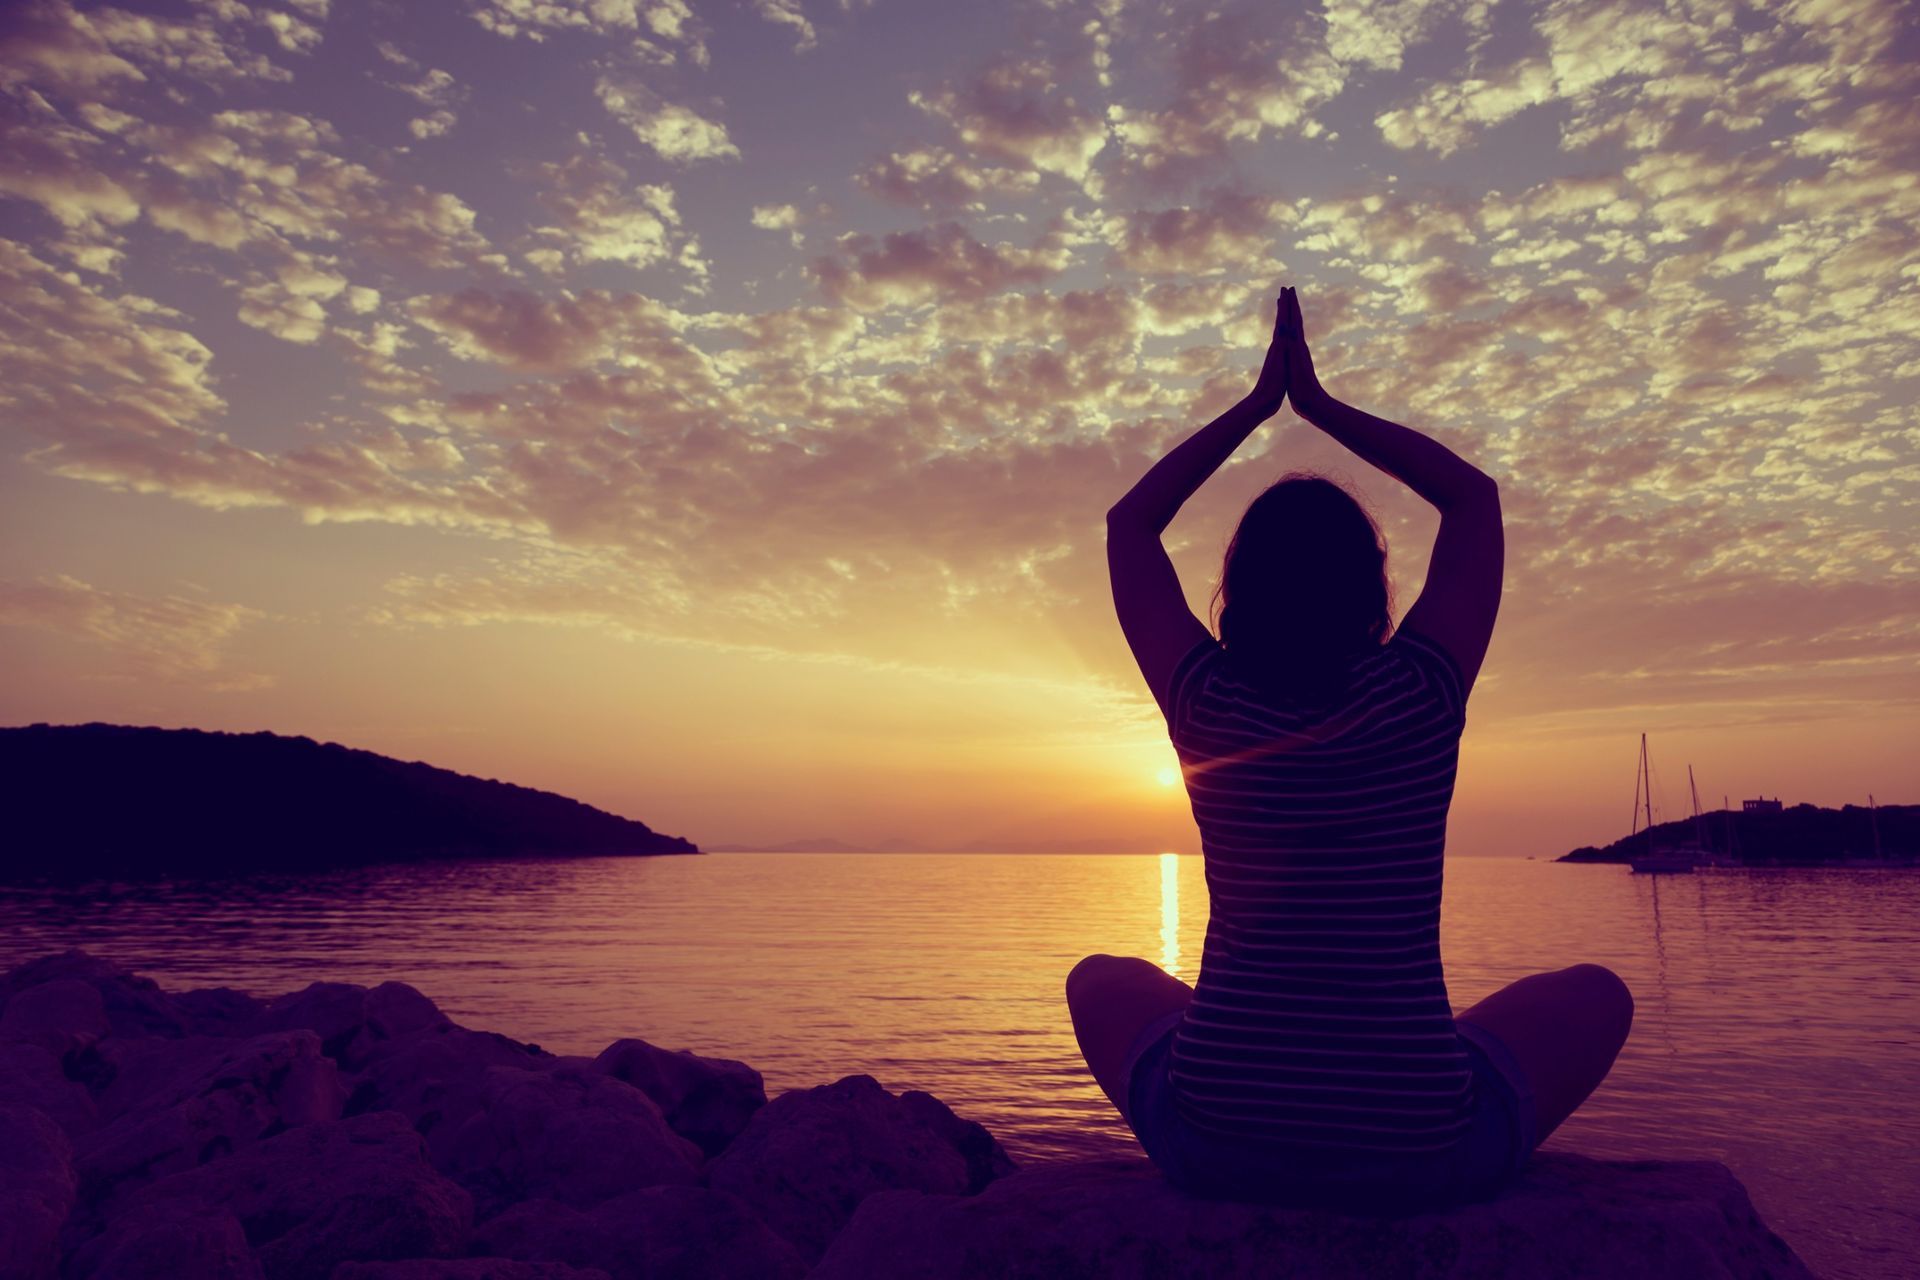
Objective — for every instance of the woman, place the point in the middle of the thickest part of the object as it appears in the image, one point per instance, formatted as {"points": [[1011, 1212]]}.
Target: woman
{"points": [[1317, 1060]]}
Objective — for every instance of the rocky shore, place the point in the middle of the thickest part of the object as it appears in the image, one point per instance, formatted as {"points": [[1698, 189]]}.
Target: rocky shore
{"points": [[350, 1133]]}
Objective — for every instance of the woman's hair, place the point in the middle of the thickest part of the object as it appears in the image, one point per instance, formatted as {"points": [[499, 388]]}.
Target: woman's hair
{"points": [[1304, 585]]}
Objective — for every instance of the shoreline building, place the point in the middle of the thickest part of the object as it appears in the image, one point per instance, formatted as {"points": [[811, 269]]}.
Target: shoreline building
{"points": [[1761, 805]]}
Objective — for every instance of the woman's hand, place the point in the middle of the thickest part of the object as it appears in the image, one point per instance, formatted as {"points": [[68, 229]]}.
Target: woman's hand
{"points": [[1270, 388], [1303, 386]]}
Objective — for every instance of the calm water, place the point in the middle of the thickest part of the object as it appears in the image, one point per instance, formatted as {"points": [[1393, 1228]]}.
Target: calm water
{"points": [[1777, 1019]]}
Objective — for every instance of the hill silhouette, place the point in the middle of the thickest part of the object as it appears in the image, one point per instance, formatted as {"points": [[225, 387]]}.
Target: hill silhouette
{"points": [[120, 800], [1800, 836]]}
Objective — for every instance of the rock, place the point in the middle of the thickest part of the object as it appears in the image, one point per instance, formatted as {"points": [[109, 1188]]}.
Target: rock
{"points": [[171, 1105], [163, 1241], [810, 1156], [465, 1269], [660, 1233], [37, 1187], [435, 1078], [334, 1011], [337, 1191], [31, 1077], [135, 1006], [570, 1134], [708, 1100], [1568, 1217], [218, 1011], [396, 1009], [351, 1019], [58, 1016]]}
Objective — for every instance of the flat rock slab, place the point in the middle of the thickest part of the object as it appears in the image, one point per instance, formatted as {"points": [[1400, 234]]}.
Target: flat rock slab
{"points": [[1569, 1217]]}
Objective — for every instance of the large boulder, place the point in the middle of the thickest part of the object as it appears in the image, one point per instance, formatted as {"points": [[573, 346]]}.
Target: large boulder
{"points": [[218, 1011], [168, 1240], [659, 1233], [338, 1191], [350, 1020], [570, 1134], [58, 1016], [31, 1077], [436, 1078], [37, 1189], [708, 1100], [1568, 1217], [134, 1006], [809, 1157], [170, 1105]]}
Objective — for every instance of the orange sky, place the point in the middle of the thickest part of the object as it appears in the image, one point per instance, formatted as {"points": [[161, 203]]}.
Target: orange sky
{"points": [[710, 414]]}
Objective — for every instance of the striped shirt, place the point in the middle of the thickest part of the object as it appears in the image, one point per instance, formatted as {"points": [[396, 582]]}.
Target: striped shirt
{"points": [[1320, 1017]]}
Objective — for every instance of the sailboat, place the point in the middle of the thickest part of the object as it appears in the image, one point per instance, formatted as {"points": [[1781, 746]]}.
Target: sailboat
{"points": [[1667, 854]]}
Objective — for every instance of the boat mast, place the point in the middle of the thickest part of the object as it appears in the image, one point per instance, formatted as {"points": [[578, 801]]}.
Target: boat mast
{"points": [[1647, 768], [1873, 816], [1633, 825], [1697, 837]]}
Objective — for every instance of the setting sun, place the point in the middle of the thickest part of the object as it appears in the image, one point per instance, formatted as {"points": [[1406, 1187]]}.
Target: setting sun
{"points": [[1168, 776]]}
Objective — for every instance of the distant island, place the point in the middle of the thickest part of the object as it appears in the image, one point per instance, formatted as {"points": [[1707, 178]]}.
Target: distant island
{"points": [[1803, 835], [118, 800]]}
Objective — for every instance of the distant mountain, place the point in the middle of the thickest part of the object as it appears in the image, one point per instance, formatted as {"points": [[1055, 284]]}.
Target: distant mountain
{"points": [[1804, 835], [811, 844], [105, 799]]}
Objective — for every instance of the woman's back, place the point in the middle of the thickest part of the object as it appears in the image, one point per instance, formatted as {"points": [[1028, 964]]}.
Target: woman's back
{"points": [[1320, 1018]]}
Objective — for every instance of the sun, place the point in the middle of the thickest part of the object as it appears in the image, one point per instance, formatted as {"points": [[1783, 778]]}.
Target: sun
{"points": [[1168, 777]]}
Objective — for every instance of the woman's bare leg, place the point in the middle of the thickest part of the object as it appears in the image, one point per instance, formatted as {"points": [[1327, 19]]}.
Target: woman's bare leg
{"points": [[1565, 1028], [1112, 998]]}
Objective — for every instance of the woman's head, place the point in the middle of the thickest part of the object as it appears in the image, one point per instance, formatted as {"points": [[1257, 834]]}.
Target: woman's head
{"points": [[1304, 586]]}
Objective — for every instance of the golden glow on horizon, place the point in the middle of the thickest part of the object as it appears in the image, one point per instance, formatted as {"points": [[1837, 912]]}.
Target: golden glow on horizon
{"points": [[1170, 913]]}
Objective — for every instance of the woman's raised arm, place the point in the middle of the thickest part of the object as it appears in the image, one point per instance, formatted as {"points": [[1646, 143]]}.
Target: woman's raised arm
{"points": [[1423, 464], [1152, 609], [1153, 502], [1461, 598]]}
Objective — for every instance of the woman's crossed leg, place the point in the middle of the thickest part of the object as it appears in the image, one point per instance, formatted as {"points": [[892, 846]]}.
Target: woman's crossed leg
{"points": [[1112, 999]]}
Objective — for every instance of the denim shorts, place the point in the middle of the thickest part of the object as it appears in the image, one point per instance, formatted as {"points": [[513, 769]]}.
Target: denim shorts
{"points": [[1491, 1154]]}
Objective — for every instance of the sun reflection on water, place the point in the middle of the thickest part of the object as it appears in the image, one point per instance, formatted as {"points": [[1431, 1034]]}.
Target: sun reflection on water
{"points": [[1170, 913]]}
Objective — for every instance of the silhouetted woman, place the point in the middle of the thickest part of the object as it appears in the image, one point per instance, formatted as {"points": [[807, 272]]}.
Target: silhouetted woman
{"points": [[1317, 1060]]}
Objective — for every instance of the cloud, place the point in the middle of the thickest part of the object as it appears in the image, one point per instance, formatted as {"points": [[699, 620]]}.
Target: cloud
{"points": [[173, 638], [46, 42], [676, 132], [1230, 231], [519, 330], [936, 180], [1378, 33], [76, 364], [600, 214], [1238, 76], [788, 13], [1014, 111], [672, 26], [906, 268]]}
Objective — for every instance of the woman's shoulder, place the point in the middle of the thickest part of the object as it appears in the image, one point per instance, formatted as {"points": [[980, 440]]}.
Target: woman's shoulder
{"points": [[1436, 667]]}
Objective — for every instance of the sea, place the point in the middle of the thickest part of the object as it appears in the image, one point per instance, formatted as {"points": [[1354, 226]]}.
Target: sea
{"points": [[1776, 1029]]}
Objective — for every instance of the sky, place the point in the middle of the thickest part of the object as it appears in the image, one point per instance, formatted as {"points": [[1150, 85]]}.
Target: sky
{"points": [[709, 411]]}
